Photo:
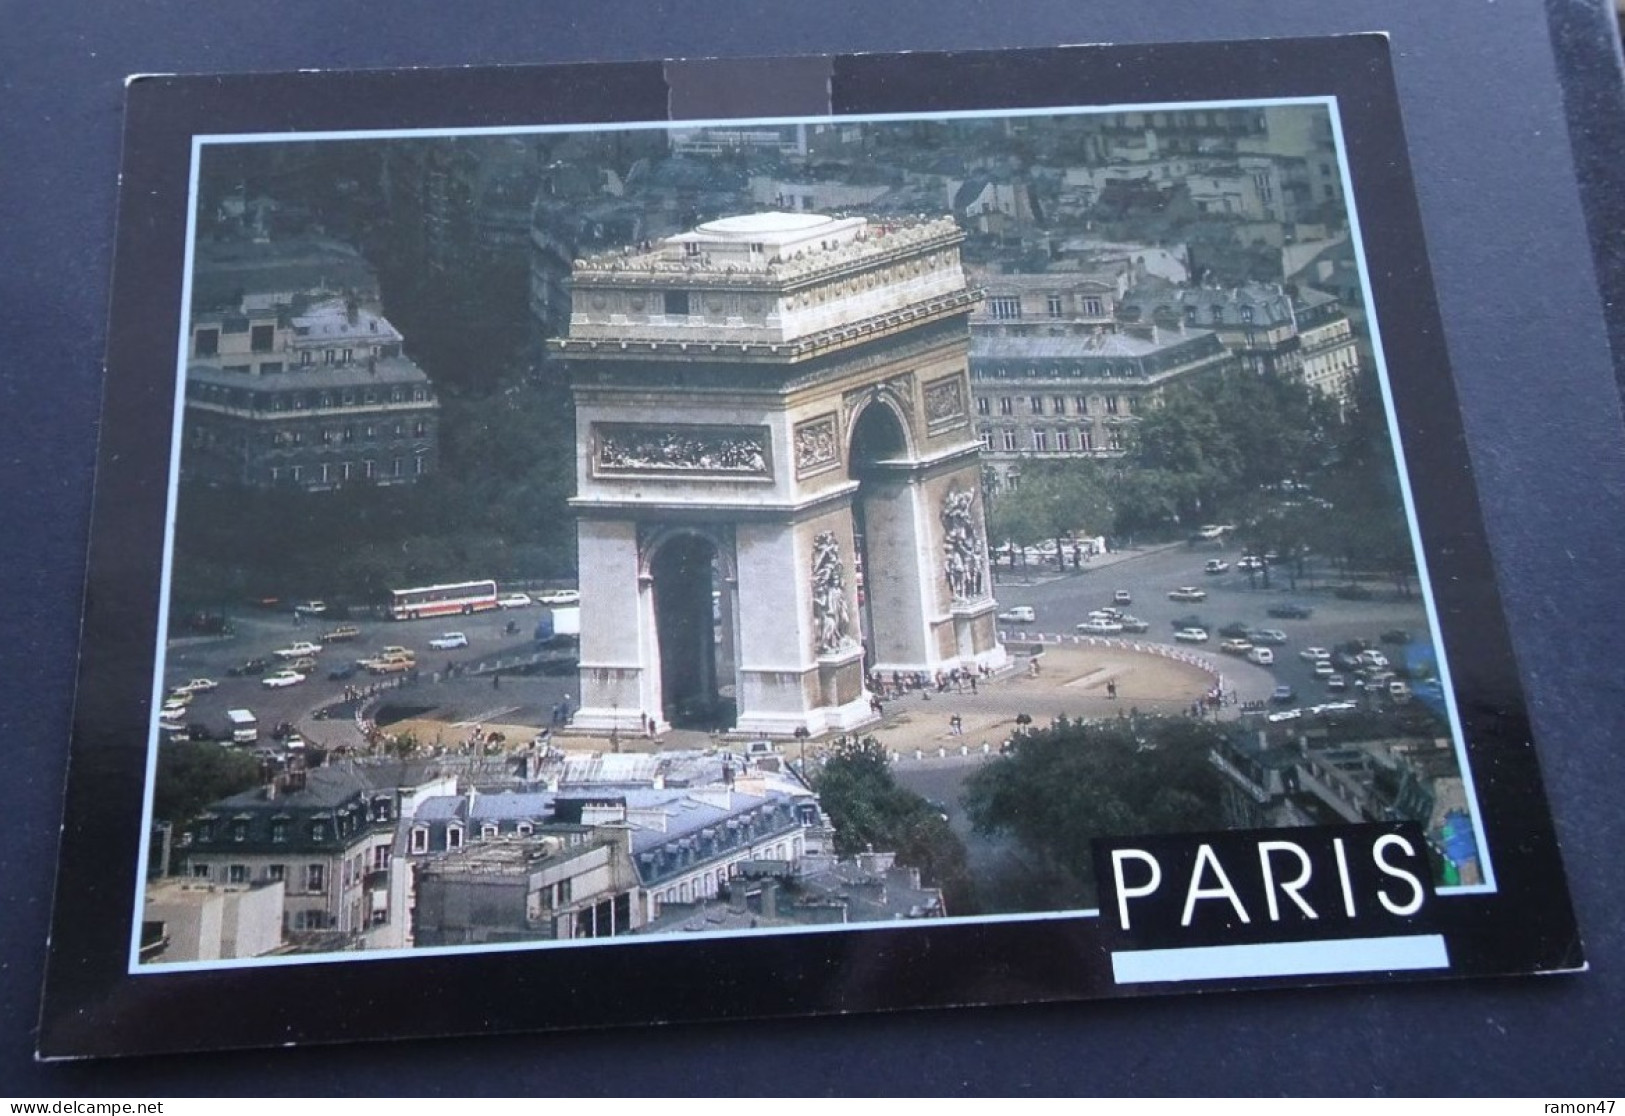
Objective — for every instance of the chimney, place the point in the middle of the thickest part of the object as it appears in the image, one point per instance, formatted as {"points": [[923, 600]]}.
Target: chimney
{"points": [[770, 898]]}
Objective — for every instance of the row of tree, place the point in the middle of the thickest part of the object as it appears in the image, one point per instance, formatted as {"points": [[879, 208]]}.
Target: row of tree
{"points": [[1218, 450]]}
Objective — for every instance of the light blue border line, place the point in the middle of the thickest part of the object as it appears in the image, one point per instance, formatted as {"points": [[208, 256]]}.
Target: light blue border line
{"points": [[346, 957], [1277, 959], [199, 142], [1458, 738], [172, 496]]}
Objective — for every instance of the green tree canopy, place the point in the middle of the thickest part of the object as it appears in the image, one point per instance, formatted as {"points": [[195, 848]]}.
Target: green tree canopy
{"points": [[192, 774], [1064, 786], [870, 811]]}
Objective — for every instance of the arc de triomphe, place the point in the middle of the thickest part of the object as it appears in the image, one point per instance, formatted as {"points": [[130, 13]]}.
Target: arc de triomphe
{"points": [[777, 479]]}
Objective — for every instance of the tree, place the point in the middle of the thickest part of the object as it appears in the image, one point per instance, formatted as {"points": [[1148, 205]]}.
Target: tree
{"points": [[1061, 787], [192, 774], [1053, 499], [870, 811]]}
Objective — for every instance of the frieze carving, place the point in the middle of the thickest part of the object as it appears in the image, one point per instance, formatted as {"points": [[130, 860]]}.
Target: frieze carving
{"points": [[817, 447], [944, 401], [964, 562], [686, 450], [832, 619], [900, 388]]}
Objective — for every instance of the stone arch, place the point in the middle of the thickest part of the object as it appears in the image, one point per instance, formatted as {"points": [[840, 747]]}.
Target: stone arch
{"points": [[892, 405]]}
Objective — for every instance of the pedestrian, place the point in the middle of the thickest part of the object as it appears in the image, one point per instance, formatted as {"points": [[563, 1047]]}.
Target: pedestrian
{"points": [[973, 685], [1111, 689]]}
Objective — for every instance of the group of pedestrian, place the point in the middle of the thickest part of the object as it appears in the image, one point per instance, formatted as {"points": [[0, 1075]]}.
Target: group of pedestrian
{"points": [[899, 683]]}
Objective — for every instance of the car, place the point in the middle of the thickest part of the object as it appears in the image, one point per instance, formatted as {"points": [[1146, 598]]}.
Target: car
{"points": [[298, 650], [1396, 635], [560, 597], [1104, 614], [342, 633], [304, 664], [1283, 694], [1212, 531], [1262, 656], [1018, 614], [1100, 627], [248, 668], [1235, 630], [1291, 610], [1324, 669], [197, 686], [1188, 593], [1336, 683], [1249, 562], [1343, 660], [1191, 635], [1315, 655], [1235, 646], [178, 697], [1352, 593], [310, 608], [1215, 566], [1189, 620], [1122, 597], [1374, 659], [282, 678], [1284, 715], [393, 651], [1273, 637], [1134, 624], [1399, 691], [450, 641], [514, 600], [342, 673], [389, 664]]}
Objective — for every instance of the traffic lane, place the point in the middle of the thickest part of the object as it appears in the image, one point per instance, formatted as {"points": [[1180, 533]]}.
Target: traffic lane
{"points": [[259, 636], [1063, 603]]}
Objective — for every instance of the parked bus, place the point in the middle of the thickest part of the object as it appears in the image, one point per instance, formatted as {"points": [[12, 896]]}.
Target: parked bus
{"points": [[461, 599]]}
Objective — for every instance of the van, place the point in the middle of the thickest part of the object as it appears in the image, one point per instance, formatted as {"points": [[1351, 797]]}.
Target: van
{"points": [[245, 727]]}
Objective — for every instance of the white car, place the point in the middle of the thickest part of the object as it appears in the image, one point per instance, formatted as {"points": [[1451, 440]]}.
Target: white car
{"points": [[1122, 597], [514, 600], [560, 597], [282, 678], [449, 642], [1263, 656], [1235, 646], [196, 686], [1100, 626], [1019, 614], [1315, 655], [1373, 659], [310, 608], [1324, 668], [1191, 635], [299, 650], [1188, 593]]}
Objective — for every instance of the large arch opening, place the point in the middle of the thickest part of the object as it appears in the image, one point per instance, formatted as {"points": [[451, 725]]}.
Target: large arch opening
{"points": [[882, 532], [688, 607]]}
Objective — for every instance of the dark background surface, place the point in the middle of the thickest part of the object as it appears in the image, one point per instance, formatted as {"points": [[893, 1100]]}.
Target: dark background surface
{"points": [[1495, 127]]}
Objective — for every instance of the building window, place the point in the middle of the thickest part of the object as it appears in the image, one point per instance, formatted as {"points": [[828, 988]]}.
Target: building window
{"points": [[420, 465], [677, 301], [366, 469], [370, 433], [349, 356], [237, 874], [454, 836], [276, 872], [1007, 406], [1041, 441], [1036, 402], [239, 829], [1058, 404], [1111, 404], [487, 831], [396, 469], [420, 839], [983, 405], [270, 367], [1010, 440], [261, 338], [345, 469], [316, 877], [1063, 440], [1247, 313], [318, 831], [206, 343], [1081, 405], [524, 829], [200, 871], [1004, 307], [380, 858], [296, 472], [279, 830], [1190, 315], [987, 439], [1086, 441], [1093, 307], [1055, 308]]}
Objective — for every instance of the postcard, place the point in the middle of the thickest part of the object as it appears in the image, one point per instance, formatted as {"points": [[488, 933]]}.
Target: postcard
{"points": [[965, 530]]}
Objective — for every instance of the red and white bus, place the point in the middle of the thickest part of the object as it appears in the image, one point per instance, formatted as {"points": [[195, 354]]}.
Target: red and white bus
{"points": [[460, 599]]}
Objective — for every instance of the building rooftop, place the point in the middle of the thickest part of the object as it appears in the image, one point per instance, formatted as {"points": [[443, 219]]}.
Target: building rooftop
{"points": [[384, 371], [1082, 345]]}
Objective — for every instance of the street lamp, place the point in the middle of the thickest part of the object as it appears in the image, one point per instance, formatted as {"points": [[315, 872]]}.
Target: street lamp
{"points": [[801, 734]]}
